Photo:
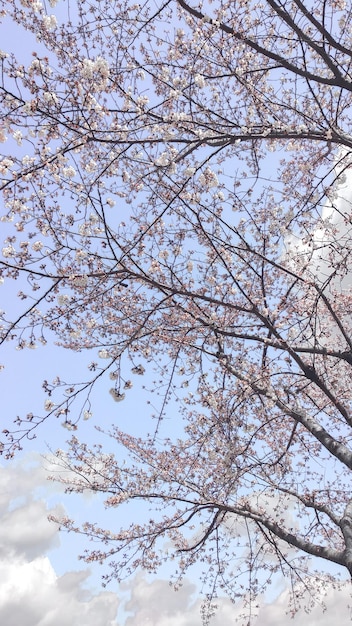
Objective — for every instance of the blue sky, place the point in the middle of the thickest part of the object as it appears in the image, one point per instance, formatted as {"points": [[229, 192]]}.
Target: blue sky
{"points": [[42, 583], [36, 557]]}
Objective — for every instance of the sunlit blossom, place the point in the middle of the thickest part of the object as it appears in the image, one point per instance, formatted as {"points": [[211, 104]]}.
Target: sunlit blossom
{"points": [[8, 251], [69, 172], [5, 165], [49, 22], [199, 81], [116, 395], [37, 245], [104, 354], [17, 135], [208, 178], [63, 299]]}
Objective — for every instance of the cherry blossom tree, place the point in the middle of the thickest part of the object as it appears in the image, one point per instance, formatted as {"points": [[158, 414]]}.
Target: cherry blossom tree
{"points": [[174, 182]]}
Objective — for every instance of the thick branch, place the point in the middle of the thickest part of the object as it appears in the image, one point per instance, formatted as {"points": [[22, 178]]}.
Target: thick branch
{"points": [[329, 554], [336, 448], [346, 527], [339, 82]]}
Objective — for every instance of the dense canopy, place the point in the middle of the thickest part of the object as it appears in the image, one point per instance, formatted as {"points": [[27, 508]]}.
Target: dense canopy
{"points": [[176, 184]]}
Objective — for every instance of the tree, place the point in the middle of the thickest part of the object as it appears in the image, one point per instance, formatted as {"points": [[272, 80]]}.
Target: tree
{"points": [[177, 202]]}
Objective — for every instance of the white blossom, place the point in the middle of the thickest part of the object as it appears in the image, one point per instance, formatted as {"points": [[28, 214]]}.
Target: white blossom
{"points": [[50, 97], [125, 176], [104, 354], [48, 405], [5, 165], [81, 254], [97, 70], [80, 281], [37, 245], [33, 4], [8, 251], [27, 160], [85, 229], [199, 81], [17, 135], [117, 396], [219, 195], [91, 166], [208, 178], [174, 94], [49, 22], [75, 334], [154, 267], [87, 415], [163, 159], [63, 299], [69, 172], [142, 101], [102, 66]]}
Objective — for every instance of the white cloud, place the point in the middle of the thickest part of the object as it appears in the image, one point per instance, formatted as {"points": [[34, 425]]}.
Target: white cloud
{"points": [[335, 608], [26, 531], [156, 603], [24, 528], [329, 247], [31, 593]]}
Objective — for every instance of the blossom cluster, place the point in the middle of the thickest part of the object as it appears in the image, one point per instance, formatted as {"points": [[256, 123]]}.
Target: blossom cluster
{"points": [[97, 71]]}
